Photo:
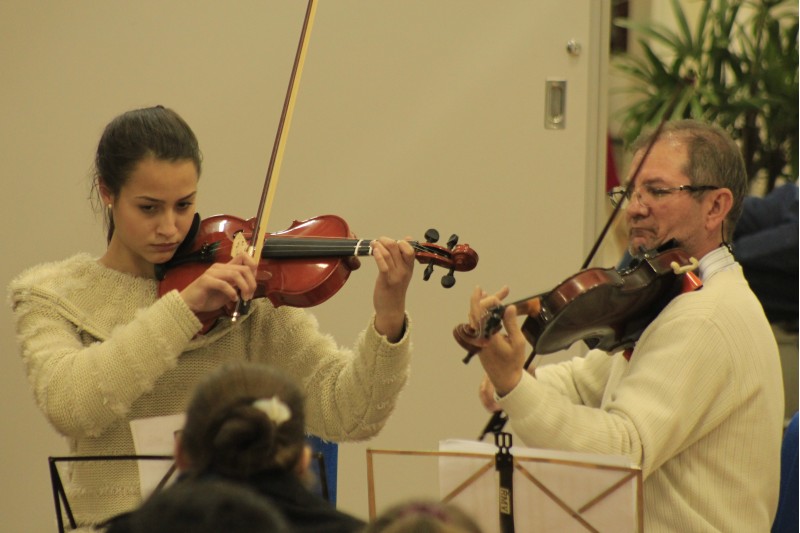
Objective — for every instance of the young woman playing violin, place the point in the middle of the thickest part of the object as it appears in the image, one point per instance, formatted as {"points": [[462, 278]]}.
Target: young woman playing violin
{"points": [[102, 349]]}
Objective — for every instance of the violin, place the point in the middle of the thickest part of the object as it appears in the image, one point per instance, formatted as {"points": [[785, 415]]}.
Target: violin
{"points": [[606, 308], [302, 266]]}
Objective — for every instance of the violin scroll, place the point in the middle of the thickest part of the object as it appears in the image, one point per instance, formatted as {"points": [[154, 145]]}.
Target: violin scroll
{"points": [[492, 322], [454, 257]]}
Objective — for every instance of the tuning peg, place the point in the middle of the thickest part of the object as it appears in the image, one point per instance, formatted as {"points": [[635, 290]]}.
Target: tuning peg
{"points": [[448, 280], [431, 235], [426, 275], [452, 241]]}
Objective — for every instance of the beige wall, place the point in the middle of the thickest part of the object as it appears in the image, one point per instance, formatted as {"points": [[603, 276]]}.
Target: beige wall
{"points": [[410, 115]]}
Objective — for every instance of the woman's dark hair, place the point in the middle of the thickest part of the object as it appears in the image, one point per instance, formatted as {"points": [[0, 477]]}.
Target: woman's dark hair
{"points": [[156, 132], [203, 506], [231, 427]]}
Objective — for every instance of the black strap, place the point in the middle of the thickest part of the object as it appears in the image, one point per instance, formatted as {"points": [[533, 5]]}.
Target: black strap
{"points": [[504, 463]]}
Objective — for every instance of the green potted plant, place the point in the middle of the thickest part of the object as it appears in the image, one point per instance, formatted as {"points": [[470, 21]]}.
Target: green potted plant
{"points": [[743, 58]]}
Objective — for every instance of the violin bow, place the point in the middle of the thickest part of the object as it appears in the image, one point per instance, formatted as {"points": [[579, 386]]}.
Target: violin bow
{"points": [[256, 244]]}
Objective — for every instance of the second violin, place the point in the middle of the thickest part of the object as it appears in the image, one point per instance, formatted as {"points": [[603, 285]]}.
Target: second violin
{"points": [[606, 308]]}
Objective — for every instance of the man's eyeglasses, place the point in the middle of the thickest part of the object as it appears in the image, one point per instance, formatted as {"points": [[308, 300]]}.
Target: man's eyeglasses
{"points": [[649, 195]]}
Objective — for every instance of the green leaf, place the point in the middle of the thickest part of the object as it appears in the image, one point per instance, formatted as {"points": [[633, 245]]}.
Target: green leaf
{"points": [[683, 24], [655, 31], [701, 23]]}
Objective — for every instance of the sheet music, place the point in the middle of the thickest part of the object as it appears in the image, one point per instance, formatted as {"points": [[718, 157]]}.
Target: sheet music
{"points": [[606, 483], [154, 436]]}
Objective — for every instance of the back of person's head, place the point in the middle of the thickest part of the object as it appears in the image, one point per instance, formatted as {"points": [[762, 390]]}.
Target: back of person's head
{"points": [[243, 419], [423, 516], [714, 158], [196, 506]]}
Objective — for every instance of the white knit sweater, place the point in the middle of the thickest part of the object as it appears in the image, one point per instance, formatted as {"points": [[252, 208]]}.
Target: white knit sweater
{"points": [[101, 349], [699, 407]]}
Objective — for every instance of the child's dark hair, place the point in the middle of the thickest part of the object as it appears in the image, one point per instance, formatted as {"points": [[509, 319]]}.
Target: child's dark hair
{"points": [[133, 136], [243, 419]]}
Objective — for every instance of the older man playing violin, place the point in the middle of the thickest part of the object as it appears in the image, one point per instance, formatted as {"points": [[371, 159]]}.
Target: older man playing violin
{"points": [[698, 403]]}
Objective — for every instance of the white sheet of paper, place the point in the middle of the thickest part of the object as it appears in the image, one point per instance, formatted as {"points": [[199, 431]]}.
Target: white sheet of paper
{"points": [[154, 436], [572, 477]]}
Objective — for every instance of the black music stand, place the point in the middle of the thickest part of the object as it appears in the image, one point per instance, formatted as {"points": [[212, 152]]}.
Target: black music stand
{"points": [[60, 495]]}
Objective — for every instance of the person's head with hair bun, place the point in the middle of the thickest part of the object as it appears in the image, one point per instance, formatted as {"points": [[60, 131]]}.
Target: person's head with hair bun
{"points": [[244, 419]]}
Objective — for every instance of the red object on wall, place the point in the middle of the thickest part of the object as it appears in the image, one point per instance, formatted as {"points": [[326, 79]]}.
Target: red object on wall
{"points": [[612, 178]]}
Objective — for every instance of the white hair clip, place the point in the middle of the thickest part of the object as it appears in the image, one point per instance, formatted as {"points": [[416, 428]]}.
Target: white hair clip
{"points": [[274, 408]]}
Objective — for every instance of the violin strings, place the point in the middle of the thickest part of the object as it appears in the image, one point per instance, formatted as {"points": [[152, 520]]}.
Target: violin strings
{"points": [[322, 246]]}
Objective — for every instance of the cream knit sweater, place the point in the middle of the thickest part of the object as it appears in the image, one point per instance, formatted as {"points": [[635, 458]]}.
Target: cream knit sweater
{"points": [[699, 407], [101, 349]]}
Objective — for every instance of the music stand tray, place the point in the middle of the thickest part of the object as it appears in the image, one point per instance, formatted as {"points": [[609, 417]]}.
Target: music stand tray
{"points": [[554, 491]]}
